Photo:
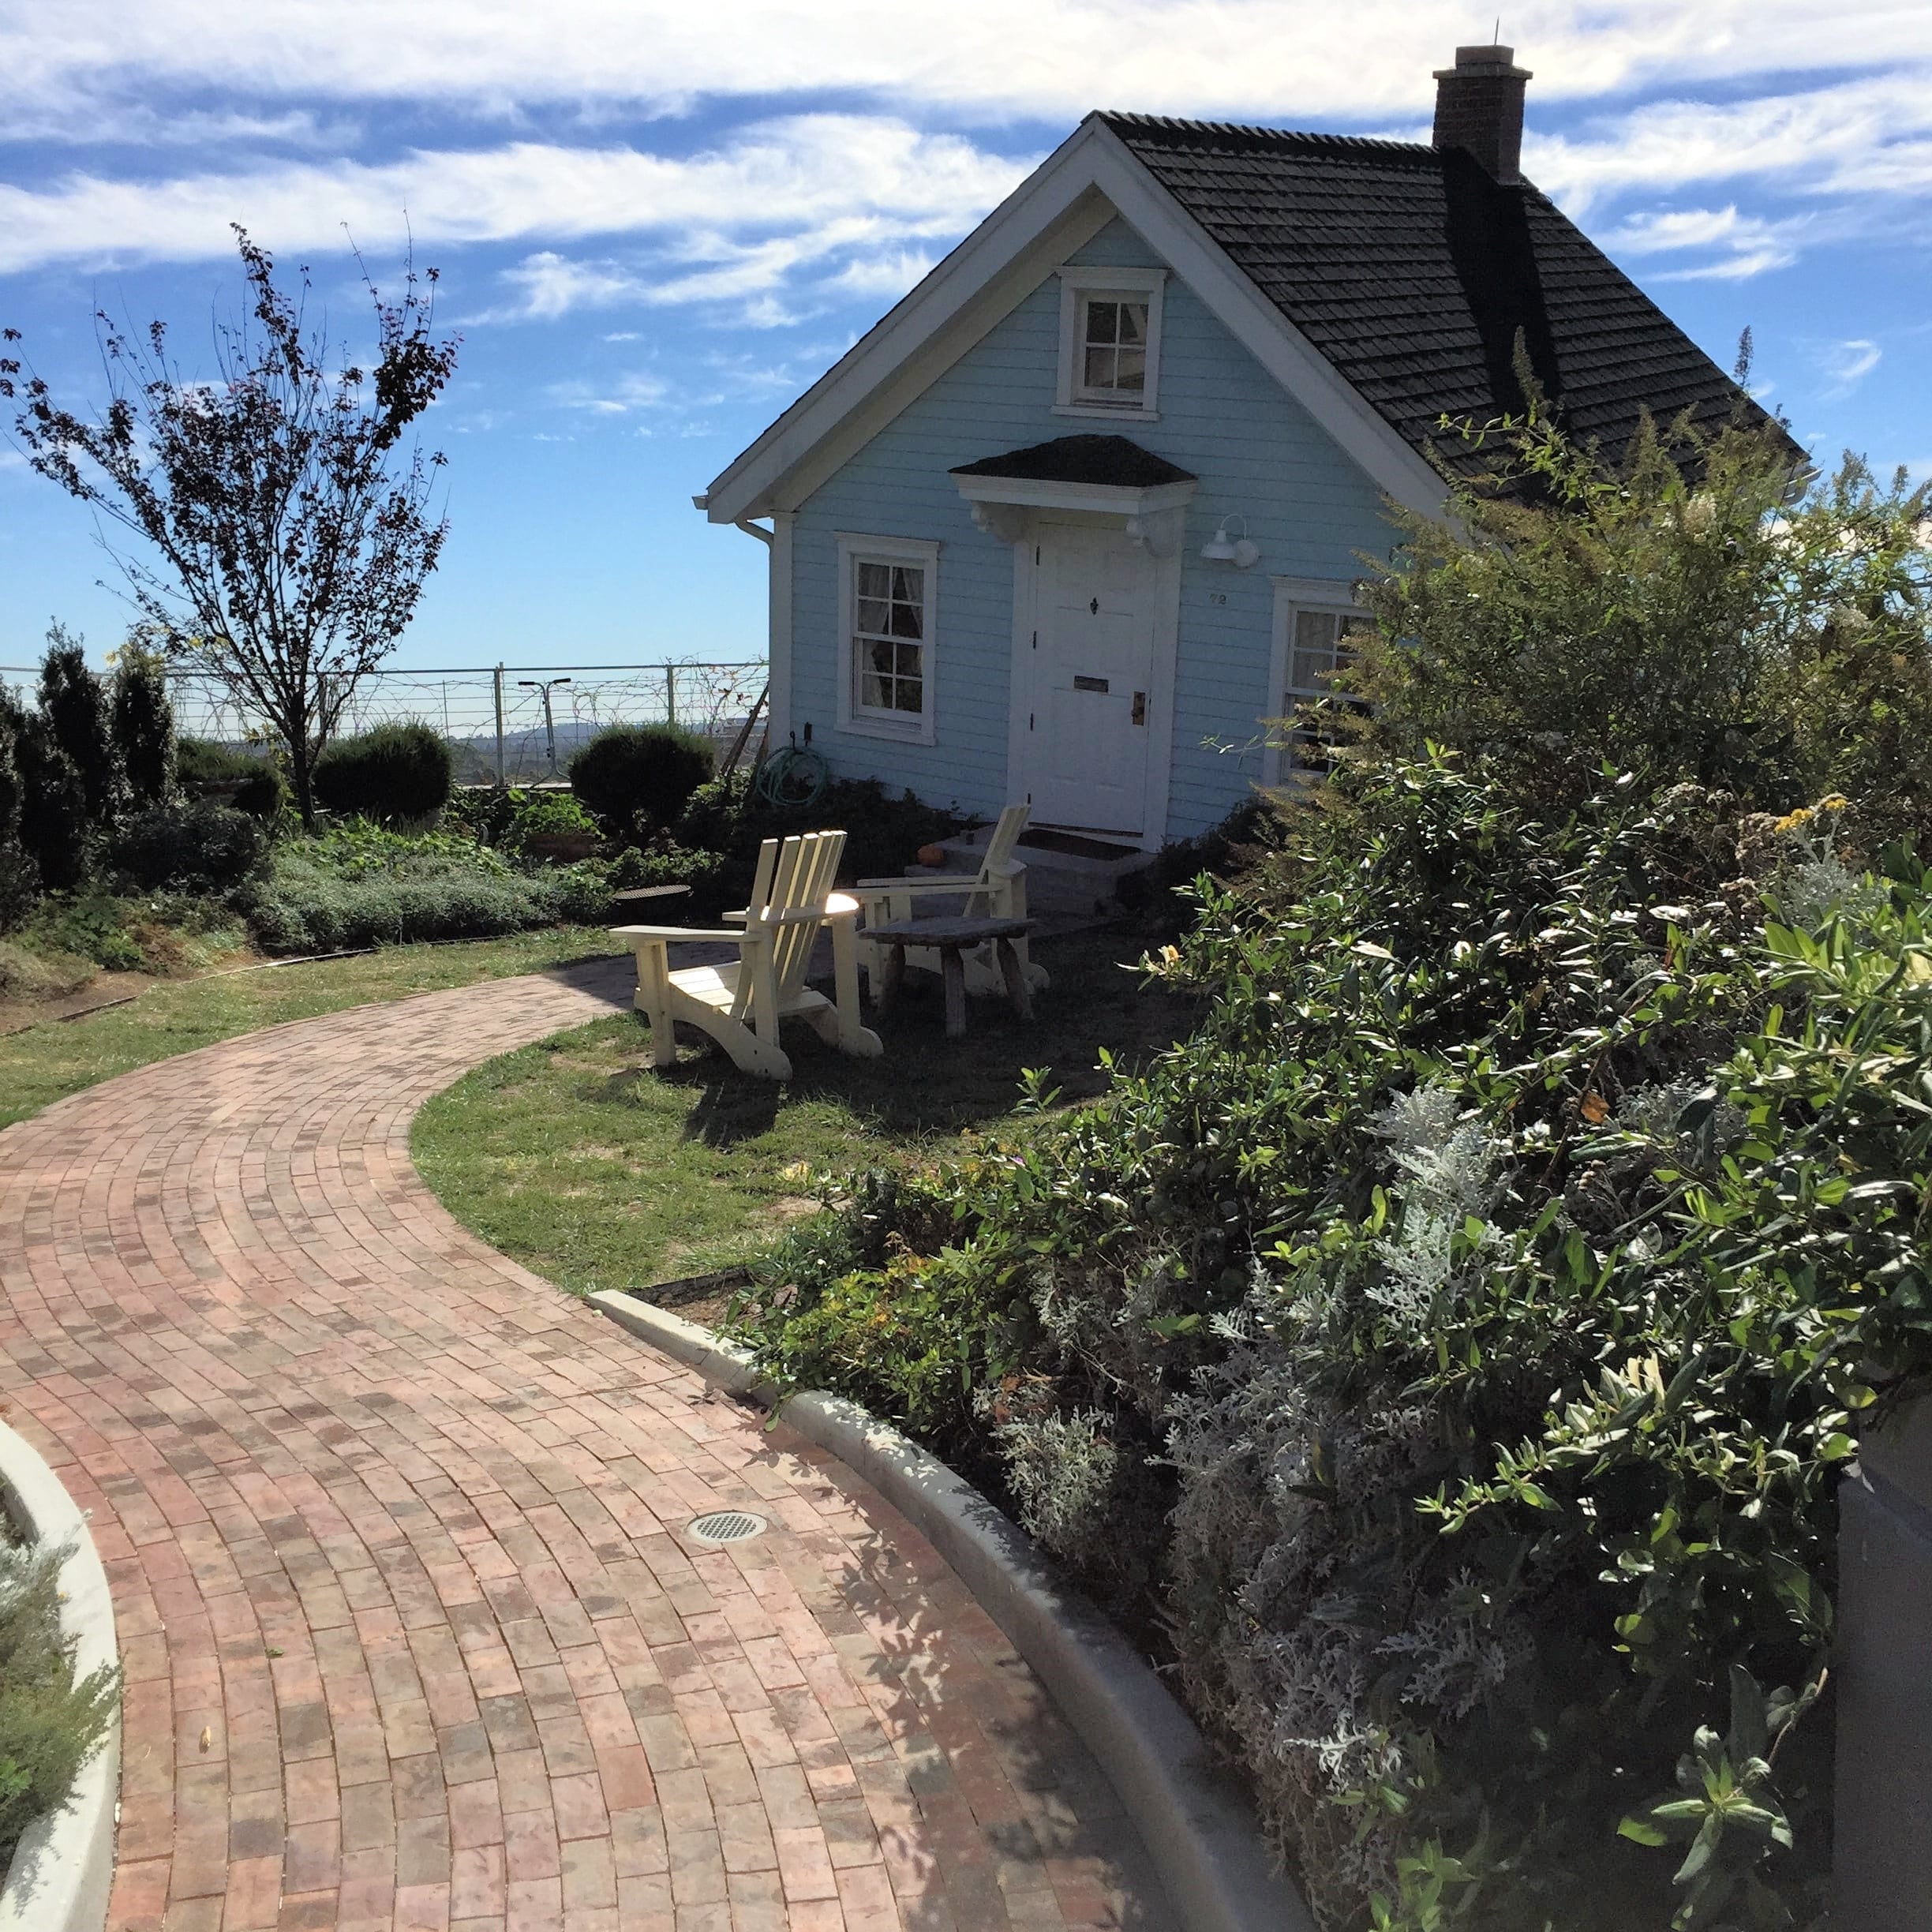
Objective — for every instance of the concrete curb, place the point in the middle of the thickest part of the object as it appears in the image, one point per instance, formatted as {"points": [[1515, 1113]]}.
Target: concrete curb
{"points": [[63, 1871], [1194, 1819]]}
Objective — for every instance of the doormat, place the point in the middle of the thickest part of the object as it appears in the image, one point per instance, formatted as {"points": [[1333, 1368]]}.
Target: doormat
{"points": [[1075, 847]]}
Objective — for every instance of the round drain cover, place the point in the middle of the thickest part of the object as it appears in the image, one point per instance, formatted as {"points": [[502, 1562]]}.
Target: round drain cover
{"points": [[728, 1526]]}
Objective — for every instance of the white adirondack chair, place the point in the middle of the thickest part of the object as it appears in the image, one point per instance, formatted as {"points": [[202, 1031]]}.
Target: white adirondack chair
{"points": [[740, 1005], [996, 891]]}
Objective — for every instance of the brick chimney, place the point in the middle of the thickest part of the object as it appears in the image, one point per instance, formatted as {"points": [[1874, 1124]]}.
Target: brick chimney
{"points": [[1479, 107]]}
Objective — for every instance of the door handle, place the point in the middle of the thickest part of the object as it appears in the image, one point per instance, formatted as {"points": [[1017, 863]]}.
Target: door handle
{"points": [[1139, 708]]}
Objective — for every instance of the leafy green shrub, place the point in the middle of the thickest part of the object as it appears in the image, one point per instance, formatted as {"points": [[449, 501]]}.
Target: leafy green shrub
{"points": [[665, 862], [1487, 1297], [199, 846], [1458, 1342], [547, 814], [92, 926], [1685, 617], [640, 776], [205, 768], [395, 774], [49, 1725], [883, 832], [141, 725]]}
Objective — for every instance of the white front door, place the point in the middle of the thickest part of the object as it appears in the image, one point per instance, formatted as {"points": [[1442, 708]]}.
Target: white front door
{"points": [[1090, 706]]}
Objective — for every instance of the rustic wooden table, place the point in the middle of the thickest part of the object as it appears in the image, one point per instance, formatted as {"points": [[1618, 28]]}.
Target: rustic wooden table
{"points": [[950, 938]]}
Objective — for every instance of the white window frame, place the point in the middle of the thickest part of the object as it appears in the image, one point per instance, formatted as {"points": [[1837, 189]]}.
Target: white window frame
{"points": [[1078, 286], [907, 726], [1292, 595]]}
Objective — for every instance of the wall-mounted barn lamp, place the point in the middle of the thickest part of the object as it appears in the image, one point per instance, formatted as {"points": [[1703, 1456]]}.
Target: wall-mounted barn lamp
{"points": [[1222, 548]]}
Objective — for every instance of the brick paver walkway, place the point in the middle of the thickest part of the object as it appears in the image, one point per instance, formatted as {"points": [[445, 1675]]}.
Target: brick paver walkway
{"points": [[414, 1631]]}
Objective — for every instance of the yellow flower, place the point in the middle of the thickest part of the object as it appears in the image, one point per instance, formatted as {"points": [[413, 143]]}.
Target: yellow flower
{"points": [[1171, 954], [1790, 822]]}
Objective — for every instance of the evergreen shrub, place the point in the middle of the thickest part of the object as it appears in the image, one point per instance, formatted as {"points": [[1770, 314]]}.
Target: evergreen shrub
{"points": [[395, 774], [205, 768], [640, 776], [201, 846], [141, 723]]}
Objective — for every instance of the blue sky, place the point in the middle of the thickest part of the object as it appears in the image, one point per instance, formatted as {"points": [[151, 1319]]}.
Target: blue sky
{"points": [[655, 223]]}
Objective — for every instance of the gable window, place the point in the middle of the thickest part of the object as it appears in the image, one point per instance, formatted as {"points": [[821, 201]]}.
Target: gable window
{"points": [[888, 597], [1314, 622], [1109, 342]]}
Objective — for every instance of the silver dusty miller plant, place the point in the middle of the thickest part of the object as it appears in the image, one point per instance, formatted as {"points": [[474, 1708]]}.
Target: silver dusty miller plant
{"points": [[1448, 1169]]}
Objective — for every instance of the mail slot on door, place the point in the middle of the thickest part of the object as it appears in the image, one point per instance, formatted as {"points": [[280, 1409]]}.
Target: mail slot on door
{"points": [[1088, 684]]}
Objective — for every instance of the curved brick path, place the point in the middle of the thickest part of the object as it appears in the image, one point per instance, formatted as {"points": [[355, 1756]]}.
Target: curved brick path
{"points": [[413, 1633]]}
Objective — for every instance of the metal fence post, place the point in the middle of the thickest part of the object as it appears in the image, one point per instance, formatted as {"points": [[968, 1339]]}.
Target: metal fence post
{"points": [[670, 694], [496, 681]]}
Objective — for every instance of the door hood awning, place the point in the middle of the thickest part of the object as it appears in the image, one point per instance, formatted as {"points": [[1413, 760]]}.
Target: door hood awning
{"points": [[1108, 473]]}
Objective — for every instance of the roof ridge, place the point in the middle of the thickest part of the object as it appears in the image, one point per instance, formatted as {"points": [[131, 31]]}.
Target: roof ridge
{"points": [[1273, 137]]}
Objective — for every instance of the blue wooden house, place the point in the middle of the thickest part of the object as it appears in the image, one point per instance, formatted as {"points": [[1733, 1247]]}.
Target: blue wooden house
{"points": [[1089, 503]]}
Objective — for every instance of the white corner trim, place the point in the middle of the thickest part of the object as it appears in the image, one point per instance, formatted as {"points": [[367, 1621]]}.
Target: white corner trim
{"points": [[855, 547], [779, 600], [1198, 1826], [1076, 283], [1109, 498]]}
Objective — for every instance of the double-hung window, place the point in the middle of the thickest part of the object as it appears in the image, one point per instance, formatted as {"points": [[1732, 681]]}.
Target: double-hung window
{"points": [[1109, 342], [887, 601], [1314, 622]]}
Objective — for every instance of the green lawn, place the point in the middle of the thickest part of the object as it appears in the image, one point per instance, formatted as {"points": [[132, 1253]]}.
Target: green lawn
{"points": [[573, 1156], [60, 1057]]}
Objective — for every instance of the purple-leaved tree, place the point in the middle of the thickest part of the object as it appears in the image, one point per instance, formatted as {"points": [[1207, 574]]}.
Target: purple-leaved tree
{"points": [[287, 532]]}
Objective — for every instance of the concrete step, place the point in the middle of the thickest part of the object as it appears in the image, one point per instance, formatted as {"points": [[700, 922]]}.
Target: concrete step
{"points": [[1069, 875]]}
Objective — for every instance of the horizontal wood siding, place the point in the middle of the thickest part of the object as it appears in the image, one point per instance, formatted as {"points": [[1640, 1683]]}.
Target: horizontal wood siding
{"points": [[1259, 456]]}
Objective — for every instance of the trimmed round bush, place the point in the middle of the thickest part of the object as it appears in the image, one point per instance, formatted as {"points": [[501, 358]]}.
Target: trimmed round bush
{"points": [[204, 767], [199, 847], [395, 774], [640, 771]]}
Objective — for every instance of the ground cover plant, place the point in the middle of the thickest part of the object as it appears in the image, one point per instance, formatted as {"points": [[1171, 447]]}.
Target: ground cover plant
{"points": [[50, 1724], [1455, 1346]]}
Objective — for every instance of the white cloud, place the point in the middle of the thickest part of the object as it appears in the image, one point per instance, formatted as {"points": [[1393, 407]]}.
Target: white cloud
{"points": [[1049, 58], [848, 180], [1738, 245], [637, 390], [1872, 136], [1847, 364]]}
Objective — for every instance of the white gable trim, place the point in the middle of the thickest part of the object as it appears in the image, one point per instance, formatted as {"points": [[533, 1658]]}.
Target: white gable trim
{"points": [[1087, 180]]}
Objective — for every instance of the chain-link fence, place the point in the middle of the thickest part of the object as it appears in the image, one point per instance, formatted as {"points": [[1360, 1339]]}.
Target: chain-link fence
{"points": [[516, 724]]}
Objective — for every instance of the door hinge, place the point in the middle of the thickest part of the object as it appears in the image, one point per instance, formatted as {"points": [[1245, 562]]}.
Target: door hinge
{"points": [[1029, 720], [1036, 640], [1036, 557], [1139, 707]]}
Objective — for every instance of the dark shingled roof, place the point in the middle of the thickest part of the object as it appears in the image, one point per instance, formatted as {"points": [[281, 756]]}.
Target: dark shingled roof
{"points": [[1413, 271], [1082, 459]]}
